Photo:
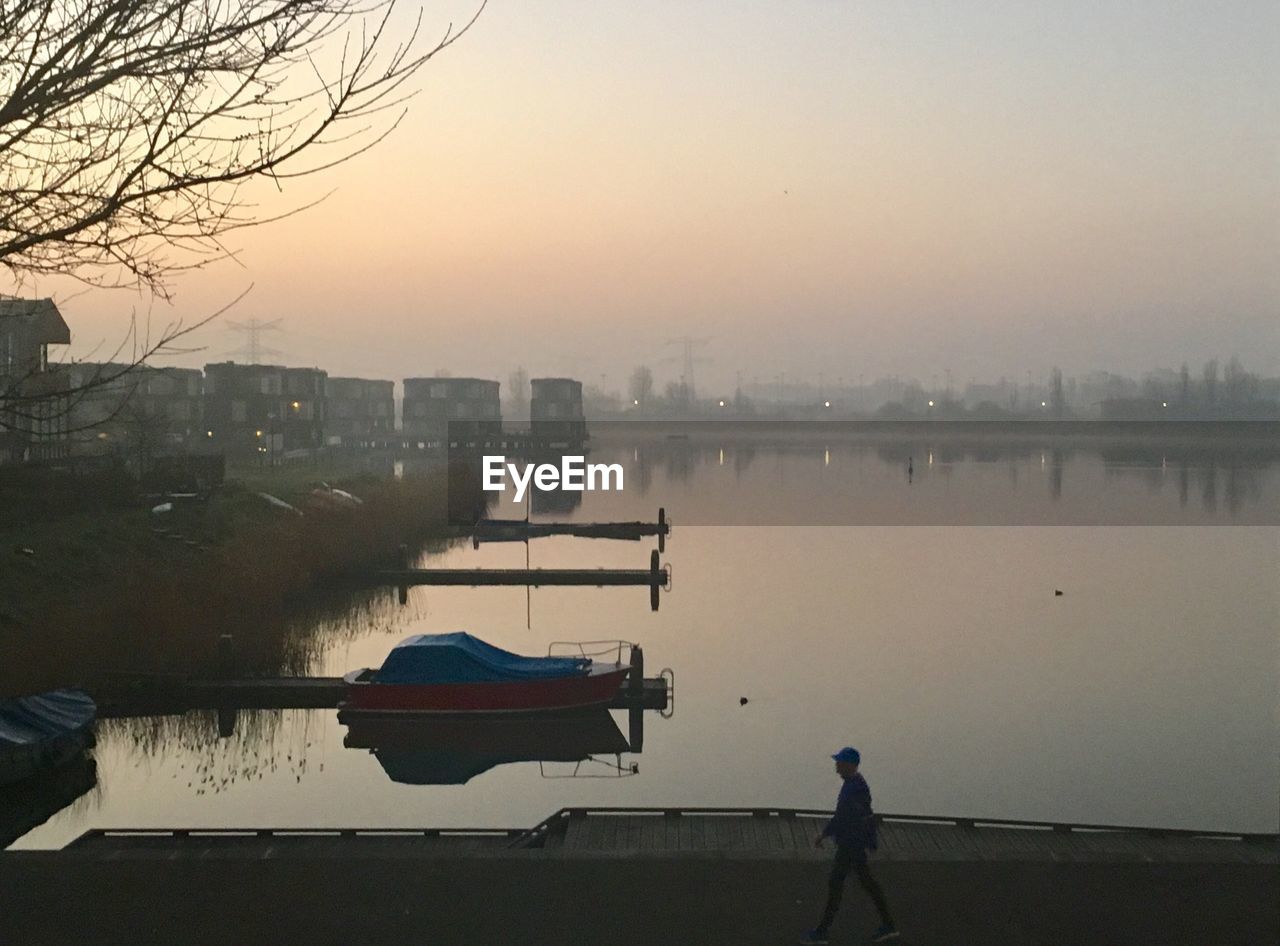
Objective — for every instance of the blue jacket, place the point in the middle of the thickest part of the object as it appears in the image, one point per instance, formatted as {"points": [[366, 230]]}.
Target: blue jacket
{"points": [[853, 824]]}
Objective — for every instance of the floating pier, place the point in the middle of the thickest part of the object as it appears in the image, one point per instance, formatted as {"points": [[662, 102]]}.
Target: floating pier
{"points": [[656, 578], [146, 696], [522, 530], [761, 833]]}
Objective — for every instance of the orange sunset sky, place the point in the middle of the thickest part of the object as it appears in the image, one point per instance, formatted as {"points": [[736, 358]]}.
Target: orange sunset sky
{"points": [[852, 188]]}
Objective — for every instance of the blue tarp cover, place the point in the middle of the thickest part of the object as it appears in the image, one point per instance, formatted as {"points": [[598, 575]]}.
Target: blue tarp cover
{"points": [[461, 658], [28, 720]]}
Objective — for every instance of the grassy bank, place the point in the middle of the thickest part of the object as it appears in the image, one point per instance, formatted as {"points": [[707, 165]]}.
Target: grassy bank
{"points": [[125, 589]]}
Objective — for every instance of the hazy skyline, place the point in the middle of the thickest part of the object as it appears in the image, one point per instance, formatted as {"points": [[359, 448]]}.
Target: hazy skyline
{"points": [[851, 189]]}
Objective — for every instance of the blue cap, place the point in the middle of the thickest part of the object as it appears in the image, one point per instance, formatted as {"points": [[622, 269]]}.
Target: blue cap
{"points": [[848, 754]]}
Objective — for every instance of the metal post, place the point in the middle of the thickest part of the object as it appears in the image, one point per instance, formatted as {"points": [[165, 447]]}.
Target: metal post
{"points": [[655, 580], [635, 690], [226, 721], [404, 564], [635, 679], [226, 661], [635, 728]]}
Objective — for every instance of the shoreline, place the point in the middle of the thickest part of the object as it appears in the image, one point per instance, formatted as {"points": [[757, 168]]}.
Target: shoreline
{"points": [[127, 590]]}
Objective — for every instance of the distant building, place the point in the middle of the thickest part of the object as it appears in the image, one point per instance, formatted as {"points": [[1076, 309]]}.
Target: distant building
{"points": [[135, 409], [263, 409], [242, 407], [440, 408], [555, 411], [359, 409], [33, 392], [101, 415], [305, 410], [176, 395]]}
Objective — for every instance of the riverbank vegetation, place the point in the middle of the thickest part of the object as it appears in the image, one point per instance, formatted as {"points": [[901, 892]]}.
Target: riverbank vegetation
{"points": [[126, 589]]}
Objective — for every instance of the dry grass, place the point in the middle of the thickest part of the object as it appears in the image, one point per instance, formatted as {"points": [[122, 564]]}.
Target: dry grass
{"points": [[125, 599]]}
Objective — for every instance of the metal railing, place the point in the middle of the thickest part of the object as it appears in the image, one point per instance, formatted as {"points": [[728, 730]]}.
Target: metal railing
{"points": [[539, 831]]}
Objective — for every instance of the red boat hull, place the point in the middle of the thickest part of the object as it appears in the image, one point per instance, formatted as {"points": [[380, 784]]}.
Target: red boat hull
{"points": [[525, 696]]}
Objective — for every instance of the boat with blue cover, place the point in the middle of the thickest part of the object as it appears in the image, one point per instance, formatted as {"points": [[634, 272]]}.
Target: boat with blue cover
{"points": [[43, 731], [459, 673]]}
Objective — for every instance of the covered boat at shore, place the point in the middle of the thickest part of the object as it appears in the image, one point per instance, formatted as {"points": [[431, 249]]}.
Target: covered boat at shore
{"points": [[458, 673], [43, 732]]}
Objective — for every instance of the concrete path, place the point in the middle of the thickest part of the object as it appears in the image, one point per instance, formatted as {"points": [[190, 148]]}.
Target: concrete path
{"points": [[545, 897]]}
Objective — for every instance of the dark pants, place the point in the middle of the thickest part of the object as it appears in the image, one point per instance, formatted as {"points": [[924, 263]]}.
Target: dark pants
{"points": [[850, 859]]}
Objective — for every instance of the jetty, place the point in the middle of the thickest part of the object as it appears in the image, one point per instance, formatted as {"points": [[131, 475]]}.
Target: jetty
{"points": [[632, 877], [656, 578], [765, 833], [522, 530], [171, 694]]}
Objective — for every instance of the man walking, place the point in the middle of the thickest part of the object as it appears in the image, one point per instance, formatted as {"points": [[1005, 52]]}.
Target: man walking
{"points": [[854, 831]]}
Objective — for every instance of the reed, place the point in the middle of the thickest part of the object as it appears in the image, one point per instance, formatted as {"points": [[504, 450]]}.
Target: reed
{"points": [[159, 606]]}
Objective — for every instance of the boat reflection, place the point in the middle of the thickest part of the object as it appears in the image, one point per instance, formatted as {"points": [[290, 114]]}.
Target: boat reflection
{"points": [[27, 804], [452, 750]]}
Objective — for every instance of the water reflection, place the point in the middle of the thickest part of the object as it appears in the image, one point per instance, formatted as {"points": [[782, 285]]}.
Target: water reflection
{"points": [[454, 750], [28, 804], [950, 481], [955, 643]]}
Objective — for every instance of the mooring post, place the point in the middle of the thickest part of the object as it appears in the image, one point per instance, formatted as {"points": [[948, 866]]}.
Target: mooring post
{"points": [[404, 566], [635, 679], [635, 727], [227, 721], [226, 662]]}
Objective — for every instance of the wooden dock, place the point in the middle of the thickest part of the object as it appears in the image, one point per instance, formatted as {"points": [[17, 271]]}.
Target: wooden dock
{"points": [[656, 578], [522, 530], [169, 695], [791, 832], [653, 577], [726, 832]]}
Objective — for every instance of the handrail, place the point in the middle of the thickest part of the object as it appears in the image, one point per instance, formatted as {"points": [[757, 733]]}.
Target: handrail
{"points": [[669, 675], [607, 646], [956, 821], [522, 837]]}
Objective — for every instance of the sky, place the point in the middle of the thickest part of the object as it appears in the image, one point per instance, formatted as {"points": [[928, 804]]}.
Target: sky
{"points": [[854, 189]]}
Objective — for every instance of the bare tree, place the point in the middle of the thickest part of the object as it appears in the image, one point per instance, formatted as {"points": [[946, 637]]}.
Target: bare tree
{"points": [[129, 128]]}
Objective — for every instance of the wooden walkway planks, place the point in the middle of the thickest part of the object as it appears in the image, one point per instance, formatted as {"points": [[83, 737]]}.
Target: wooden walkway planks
{"points": [[784, 832], [744, 832]]}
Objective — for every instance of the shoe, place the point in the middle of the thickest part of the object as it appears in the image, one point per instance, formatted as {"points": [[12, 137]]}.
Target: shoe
{"points": [[814, 936], [884, 934]]}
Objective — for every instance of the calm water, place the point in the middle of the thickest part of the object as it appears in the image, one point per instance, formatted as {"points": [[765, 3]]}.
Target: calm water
{"points": [[1145, 694]]}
